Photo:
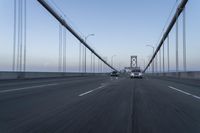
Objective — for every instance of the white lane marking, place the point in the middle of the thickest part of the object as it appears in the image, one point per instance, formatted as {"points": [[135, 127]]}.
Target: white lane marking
{"points": [[26, 88], [197, 97], [85, 93]]}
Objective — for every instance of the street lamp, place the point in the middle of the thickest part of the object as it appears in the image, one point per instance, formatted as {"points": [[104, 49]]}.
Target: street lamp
{"points": [[112, 60], [152, 54], [143, 62], [85, 48]]}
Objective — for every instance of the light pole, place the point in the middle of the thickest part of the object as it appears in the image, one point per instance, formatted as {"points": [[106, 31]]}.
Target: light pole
{"points": [[104, 66], [152, 54], [112, 59], [184, 41], [143, 62], [80, 57], [150, 66], [85, 49]]}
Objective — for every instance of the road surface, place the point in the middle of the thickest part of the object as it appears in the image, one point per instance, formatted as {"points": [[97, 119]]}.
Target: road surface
{"points": [[100, 105]]}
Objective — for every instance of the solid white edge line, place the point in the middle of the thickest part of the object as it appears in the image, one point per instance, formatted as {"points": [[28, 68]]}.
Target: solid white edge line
{"points": [[197, 97], [26, 88], [85, 93]]}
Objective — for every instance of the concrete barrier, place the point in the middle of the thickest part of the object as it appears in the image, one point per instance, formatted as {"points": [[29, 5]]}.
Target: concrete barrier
{"points": [[184, 75], [32, 75]]}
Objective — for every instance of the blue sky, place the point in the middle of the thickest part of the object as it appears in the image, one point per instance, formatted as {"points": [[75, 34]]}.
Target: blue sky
{"points": [[121, 28]]}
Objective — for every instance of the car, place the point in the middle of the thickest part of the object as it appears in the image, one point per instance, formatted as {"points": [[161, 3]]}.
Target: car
{"points": [[137, 73], [114, 74]]}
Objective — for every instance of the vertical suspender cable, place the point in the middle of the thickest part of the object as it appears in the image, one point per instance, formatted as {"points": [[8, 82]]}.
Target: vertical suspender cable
{"points": [[18, 39], [177, 63], [91, 62], [83, 47], [163, 57], [80, 57], [184, 41], [25, 10], [21, 33], [94, 63], [14, 35], [60, 43], [160, 60], [97, 65], [61, 49], [156, 64], [64, 50], [168, 53], [85, 60]]}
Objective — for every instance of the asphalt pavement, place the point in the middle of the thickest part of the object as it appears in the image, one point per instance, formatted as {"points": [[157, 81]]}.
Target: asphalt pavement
{"points": [[100, 104]]}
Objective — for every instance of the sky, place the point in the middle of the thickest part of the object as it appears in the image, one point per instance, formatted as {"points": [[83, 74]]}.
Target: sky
{"points": [[122, 28]]}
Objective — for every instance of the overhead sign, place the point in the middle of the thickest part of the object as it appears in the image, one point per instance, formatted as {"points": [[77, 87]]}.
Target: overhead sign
{"points": [[133, 61]]}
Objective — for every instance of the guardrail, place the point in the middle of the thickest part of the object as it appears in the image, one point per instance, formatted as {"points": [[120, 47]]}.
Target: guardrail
{"points": [[33, 75], [183, 75]]}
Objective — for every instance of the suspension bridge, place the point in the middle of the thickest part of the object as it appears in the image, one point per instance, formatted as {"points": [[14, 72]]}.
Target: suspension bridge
{"points": [[83, 98]]}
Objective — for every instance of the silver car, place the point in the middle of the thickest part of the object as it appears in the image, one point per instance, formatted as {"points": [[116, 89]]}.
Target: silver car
{"points": [[136, 74]]}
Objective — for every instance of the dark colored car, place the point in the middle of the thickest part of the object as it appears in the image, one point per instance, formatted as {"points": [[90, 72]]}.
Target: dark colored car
{"points": [[114, 74]]}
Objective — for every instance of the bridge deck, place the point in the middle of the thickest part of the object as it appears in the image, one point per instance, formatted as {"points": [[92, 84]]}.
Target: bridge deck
{"points": [[99, 105]]}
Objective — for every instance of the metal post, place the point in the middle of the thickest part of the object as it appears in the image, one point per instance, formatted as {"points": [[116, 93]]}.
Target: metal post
{"points": [[168, 53], [160, 60], [156, 64], [60, 49], [101, 66], [153, 62], [94, 63], [91, 62], [83, 58], [80, 57], [163, 57], [64, 50], [97, 65], [143, 62], [86, 52]]}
